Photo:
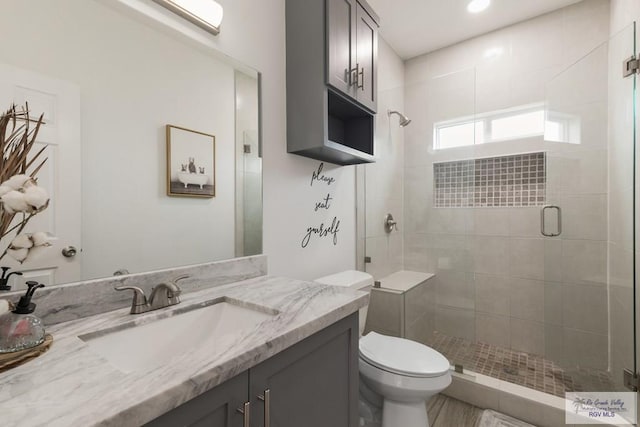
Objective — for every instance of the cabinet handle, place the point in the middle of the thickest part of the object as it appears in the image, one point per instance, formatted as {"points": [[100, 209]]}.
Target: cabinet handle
{"points": [[246, 412], [353, 76], [360, 79], [266, 398]]}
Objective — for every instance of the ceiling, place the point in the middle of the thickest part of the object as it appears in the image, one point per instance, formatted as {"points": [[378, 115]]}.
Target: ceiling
{"points": [[415, 27]]}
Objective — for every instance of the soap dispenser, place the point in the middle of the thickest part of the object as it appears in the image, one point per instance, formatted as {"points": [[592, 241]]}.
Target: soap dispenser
{"points": [[20, 329]]}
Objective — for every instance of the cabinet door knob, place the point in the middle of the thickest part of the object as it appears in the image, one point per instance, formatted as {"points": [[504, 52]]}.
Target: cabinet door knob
{"points": [[266, 398], [246, 412], [360, 79]]}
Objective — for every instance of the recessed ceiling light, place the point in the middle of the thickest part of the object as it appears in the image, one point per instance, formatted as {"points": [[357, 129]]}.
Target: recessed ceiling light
{"points": [[476, 6]]}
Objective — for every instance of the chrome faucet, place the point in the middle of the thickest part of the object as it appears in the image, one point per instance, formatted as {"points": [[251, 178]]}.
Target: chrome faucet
{"points": [[390, 224], [163, 295]]}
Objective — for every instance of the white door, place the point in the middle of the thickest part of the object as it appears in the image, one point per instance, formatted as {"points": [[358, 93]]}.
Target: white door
{"points": [[60, 102]]}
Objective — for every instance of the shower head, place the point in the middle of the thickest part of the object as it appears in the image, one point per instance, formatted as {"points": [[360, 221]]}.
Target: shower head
{"points": [[404, 120]]}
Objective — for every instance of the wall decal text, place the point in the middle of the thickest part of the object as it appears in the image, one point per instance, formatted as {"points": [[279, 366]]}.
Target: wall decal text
{"points": [[318, 176], [324, 203], [323, 231]]}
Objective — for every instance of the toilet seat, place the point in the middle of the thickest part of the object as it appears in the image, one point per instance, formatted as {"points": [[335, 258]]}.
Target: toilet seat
{"points": [[402, 356]]}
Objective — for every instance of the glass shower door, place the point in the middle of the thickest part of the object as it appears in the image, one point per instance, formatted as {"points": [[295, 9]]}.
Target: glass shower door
{"points": [[587, 221]]}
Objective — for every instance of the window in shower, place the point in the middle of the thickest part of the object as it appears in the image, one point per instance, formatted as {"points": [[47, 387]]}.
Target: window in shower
{"points": [[516, 180], [521, 122]]}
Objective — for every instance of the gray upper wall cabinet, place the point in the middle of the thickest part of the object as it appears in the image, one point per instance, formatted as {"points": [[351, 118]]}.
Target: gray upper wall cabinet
{"points": [[352, 50], [331, 79]]}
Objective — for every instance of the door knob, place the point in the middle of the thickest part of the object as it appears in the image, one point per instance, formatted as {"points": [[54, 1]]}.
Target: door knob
{"points": [[69, 251]]}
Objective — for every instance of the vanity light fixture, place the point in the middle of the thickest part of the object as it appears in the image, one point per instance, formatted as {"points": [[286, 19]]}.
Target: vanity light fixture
{"points": [[206, 14], [476, 6]]}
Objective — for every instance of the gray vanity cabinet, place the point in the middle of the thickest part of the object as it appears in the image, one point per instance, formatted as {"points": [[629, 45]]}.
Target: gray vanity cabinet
{"points": [[352, 40], [313, 384], [331, 79], [214, 408]]}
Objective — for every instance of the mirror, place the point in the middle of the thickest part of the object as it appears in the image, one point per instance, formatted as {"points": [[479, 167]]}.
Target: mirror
{"points": [[109, 81]]}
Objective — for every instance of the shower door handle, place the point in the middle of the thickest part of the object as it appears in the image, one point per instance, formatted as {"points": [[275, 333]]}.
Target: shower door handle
{"points": [[543, 218]]}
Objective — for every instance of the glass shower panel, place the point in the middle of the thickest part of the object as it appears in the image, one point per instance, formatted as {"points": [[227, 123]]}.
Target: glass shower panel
{"points": [[383, 188], [438, 212], [248, 167], [252, 194], [622, 208], [586, 223]]}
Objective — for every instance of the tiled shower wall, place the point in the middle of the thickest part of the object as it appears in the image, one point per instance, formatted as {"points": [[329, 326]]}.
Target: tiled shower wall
{"points": [[518, 180], [497, 279]]}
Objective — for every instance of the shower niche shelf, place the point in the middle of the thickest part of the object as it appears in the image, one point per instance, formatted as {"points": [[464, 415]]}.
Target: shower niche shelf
{"points": [[323, 121]]}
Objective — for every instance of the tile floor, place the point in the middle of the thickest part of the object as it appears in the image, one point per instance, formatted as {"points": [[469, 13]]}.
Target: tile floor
{"points": [[448, 412], [520, 368], [445, 411]]}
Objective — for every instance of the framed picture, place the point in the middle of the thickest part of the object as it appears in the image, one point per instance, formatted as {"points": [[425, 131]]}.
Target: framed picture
{"points": [[191, 163]]}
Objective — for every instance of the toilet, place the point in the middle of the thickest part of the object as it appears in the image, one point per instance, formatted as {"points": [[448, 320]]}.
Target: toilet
{"points": [[397, 375]]}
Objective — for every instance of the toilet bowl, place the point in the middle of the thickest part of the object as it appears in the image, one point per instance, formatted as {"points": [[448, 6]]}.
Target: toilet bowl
{"points": [[397, 373], [405, 373]]}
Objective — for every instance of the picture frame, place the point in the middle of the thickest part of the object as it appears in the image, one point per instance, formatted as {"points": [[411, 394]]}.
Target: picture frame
{"points": [[191, 163]]}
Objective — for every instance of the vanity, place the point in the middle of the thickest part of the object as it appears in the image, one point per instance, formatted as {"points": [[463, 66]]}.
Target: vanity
{"points": [[309, 384], [292, 361]]}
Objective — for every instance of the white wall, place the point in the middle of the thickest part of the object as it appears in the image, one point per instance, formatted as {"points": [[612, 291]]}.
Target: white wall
{"points": [[254, 33]]}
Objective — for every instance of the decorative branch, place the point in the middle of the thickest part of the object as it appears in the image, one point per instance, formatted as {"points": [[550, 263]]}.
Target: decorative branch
{"points": [[18, 172]]}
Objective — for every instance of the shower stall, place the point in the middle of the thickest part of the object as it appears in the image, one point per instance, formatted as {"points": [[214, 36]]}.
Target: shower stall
{"points": [[515, 184]]}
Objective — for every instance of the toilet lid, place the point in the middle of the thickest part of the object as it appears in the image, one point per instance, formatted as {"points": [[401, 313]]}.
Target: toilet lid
{"points": [[402, 356]]}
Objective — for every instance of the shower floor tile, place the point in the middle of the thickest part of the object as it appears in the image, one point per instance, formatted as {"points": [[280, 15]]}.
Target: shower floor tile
{"points": [[528, 370]]}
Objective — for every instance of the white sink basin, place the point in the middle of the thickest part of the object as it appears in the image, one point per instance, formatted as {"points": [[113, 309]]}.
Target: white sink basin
{"points": [[214, 327]]}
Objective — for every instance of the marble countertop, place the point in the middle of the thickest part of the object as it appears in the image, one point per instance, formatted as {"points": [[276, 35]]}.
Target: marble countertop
{"points": [[71, 385]]}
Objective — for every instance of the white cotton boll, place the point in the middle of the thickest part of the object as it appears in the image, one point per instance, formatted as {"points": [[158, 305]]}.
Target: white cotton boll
{"points": [[14, 201], [18, 254], [41, 238], [29, 183], [36, 197], [4, 306], [17, 181], [21, 241], [4, 189], [36, 251]]}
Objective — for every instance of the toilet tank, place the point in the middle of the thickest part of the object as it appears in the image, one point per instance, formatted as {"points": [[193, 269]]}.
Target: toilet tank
{"points": [[353, 279]]}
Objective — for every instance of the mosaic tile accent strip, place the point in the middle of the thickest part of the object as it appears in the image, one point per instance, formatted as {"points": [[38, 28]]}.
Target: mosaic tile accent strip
{"points": [[525, 369], [518, 180]]}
